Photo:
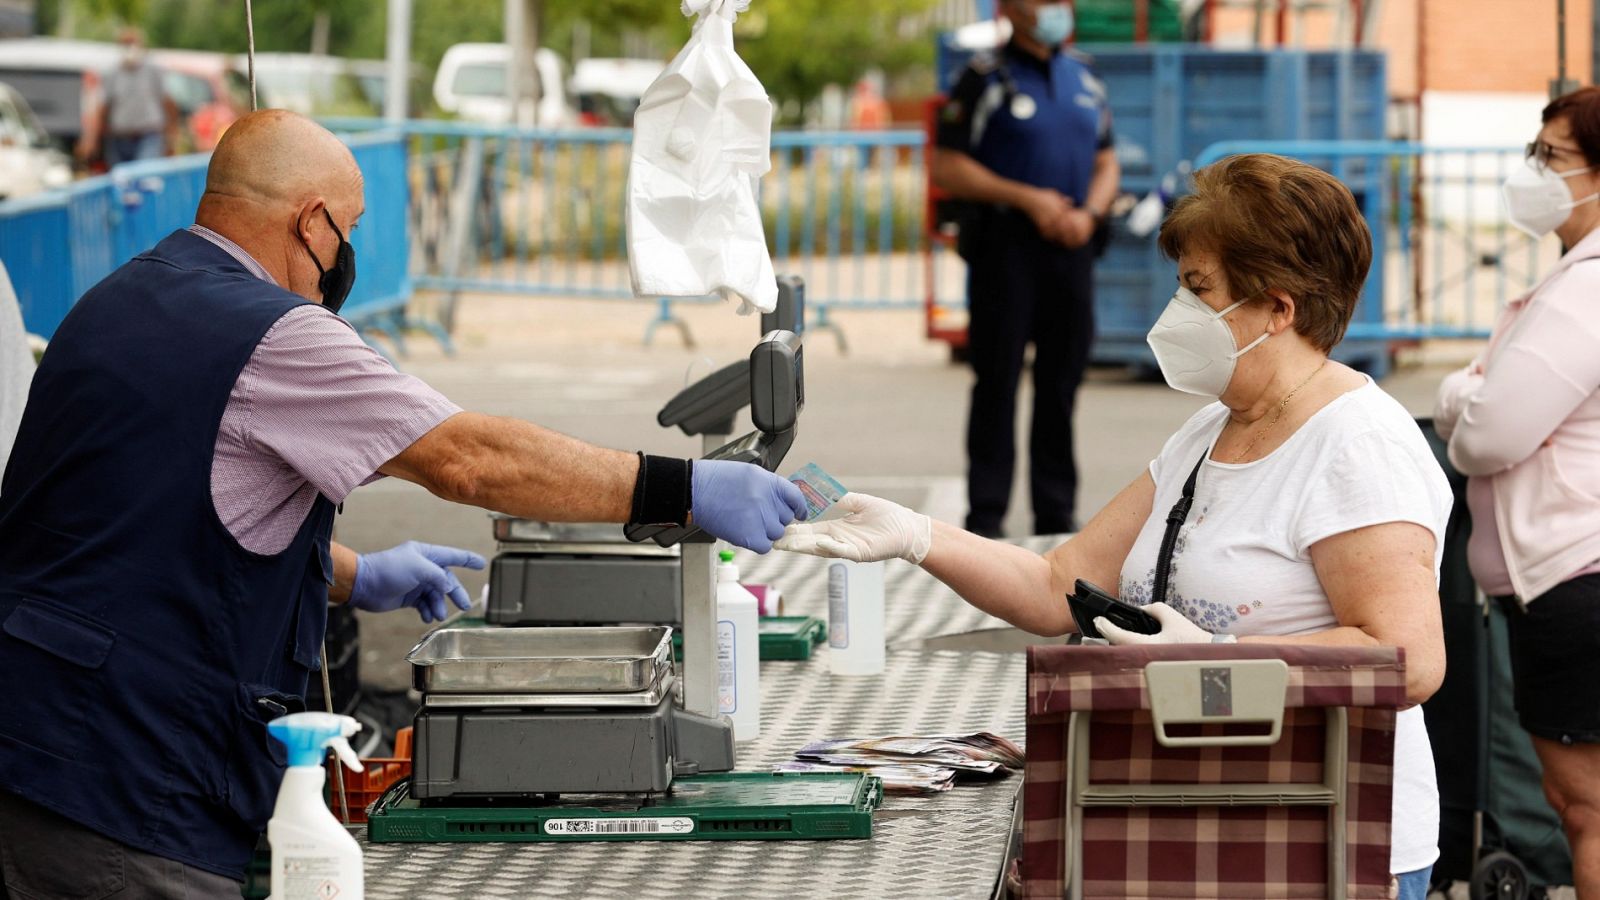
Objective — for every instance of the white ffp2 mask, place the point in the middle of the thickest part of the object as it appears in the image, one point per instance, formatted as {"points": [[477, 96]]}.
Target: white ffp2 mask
{"points": [[1194, 347], [1537, 199]]}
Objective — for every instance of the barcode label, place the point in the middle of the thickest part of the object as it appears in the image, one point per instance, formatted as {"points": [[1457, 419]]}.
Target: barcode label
{"points": [[674, 825]]}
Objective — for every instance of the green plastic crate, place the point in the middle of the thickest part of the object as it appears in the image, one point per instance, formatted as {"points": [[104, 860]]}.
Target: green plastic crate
{"points": [[731, 806], [782, 637]]}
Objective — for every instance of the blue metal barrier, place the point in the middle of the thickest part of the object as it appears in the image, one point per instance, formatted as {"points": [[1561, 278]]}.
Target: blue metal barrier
{"points": [[57, 245], [541, 212], [36, 246], [1445, 259]]}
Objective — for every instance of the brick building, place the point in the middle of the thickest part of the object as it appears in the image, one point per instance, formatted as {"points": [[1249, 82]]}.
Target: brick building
{"points": [[1482, 68]]}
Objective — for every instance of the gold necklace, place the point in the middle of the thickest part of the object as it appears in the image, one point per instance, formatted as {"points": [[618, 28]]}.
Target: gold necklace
{"points": [[1277, 414]]}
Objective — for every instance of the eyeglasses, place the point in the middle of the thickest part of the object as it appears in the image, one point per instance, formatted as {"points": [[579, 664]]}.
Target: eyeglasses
{"points": [[1541, 152]]}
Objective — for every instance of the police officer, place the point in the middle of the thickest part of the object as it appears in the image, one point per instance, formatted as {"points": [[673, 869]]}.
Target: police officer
{"points": [[1025, 141]]}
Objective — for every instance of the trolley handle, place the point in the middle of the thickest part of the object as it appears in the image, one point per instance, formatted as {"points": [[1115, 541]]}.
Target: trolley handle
{"points": [[1217, 692]]}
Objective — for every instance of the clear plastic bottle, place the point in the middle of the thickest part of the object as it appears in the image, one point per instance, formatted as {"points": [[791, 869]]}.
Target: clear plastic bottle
{"points": [[855, 618], [738, 652], [313, 856]]}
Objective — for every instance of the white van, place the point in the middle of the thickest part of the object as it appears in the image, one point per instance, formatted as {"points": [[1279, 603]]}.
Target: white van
{"points": [[608, 90], [471, 83]]}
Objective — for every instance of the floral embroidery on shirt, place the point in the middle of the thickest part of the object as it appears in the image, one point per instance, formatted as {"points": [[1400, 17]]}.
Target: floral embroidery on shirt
{"points": [[1213, 617]]}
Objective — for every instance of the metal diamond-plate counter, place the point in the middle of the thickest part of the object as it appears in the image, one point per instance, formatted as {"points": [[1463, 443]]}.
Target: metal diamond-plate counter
{"points": [[946, 845], [918, 605]]}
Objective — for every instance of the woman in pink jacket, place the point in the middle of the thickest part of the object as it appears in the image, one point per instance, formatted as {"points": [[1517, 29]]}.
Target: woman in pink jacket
{"points": [[1524, 422]]}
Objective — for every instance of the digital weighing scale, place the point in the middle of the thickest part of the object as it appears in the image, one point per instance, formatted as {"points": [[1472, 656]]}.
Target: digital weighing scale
{"points": [[527, 726], [592, 574]]}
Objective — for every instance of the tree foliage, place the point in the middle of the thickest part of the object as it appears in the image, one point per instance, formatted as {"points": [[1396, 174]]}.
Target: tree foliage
{"points": [[796, 47]]}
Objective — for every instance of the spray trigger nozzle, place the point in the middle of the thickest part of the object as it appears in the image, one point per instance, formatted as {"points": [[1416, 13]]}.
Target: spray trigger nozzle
{"points": [[342, 749], [308, 735]]}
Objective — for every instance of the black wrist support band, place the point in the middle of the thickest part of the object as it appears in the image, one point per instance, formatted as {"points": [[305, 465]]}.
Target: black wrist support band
{"points": [[663, 495]]}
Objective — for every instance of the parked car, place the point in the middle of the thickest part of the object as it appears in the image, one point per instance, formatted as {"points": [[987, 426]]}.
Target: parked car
{"points": [[209, 91], [61, 81], [608, 90], [29, 160], [307, 84], [373, 77], [471, 83]]}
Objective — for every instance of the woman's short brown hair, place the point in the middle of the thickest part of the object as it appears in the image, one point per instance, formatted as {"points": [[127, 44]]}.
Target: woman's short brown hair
{"points": [[1581, 109], [1278, 224]]}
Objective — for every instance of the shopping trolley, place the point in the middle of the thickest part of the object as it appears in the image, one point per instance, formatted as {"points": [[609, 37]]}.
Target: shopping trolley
{"points": [[1209, 771]]}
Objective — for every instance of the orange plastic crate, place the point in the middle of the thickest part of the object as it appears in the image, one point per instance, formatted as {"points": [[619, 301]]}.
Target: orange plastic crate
{"points": [[377, 775]]}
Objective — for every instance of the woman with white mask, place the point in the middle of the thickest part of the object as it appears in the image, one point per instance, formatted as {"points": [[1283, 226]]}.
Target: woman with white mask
{"points": [[1523, 422], [1315, 509]]}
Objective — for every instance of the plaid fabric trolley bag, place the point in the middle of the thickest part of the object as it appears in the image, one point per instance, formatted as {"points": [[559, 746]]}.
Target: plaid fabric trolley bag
{"points": [[1200, 770]]}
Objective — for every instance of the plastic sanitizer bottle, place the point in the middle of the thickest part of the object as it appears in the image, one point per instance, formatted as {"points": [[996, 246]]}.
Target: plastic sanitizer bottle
{"points": [[738, 652], [313, 856], [855, 618]]}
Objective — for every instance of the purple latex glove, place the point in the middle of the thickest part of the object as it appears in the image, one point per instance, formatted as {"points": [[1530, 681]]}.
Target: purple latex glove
{"points": [[413, 574], [744, 504]]}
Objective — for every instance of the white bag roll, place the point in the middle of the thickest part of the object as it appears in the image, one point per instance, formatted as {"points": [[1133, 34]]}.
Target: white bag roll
{"points": [[701, 142]]}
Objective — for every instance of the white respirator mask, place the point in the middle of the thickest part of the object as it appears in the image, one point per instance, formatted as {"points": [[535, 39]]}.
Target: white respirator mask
{"points": [[1194, 347], [1537, 199]]}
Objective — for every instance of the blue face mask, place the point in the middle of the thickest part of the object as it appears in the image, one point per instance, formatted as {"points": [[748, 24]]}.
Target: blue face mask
{"points": [[1053, 24]]}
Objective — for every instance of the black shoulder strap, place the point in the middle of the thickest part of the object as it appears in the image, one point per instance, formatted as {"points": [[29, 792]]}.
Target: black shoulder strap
{"points": [[1175, 520]]}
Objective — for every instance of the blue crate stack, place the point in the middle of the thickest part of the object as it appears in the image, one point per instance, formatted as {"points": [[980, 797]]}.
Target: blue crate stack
{"points": [[1170, 102]]}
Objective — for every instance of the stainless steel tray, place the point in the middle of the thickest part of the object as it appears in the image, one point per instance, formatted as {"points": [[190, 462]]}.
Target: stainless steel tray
{"points": [[541, 660], [649, 698]]}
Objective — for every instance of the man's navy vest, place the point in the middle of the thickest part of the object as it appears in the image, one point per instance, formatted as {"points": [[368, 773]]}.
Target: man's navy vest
{"points": [[142, 649]]}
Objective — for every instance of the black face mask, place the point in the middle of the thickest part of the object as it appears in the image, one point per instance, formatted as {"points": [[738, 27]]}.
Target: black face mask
{"points": [[337, 279]]}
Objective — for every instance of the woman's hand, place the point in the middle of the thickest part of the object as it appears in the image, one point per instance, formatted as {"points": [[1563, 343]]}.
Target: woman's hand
{"points": [[872, 529], [1175, 629]]}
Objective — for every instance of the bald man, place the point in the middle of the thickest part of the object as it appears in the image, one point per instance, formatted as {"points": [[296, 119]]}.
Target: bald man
{"points": [[165, 562]]}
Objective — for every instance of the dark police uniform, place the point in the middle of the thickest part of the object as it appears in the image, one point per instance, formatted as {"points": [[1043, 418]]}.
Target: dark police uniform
{"points": [[142, 648], [1042, 123]]}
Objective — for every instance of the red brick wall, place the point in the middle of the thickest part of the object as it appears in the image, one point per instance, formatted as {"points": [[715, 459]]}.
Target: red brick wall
{"points": [[1471, 45]]}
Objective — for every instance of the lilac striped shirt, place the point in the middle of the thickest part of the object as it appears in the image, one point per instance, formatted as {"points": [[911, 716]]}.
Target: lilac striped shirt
{"points": [[315, 411]]}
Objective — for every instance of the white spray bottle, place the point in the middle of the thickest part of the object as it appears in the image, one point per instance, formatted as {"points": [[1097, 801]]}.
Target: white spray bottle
{"points": [[738, 652], [313, 856]]}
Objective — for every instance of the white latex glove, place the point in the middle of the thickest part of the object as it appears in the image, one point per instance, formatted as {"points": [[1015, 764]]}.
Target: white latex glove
{"points": [[872, 529], [1175, 629]]}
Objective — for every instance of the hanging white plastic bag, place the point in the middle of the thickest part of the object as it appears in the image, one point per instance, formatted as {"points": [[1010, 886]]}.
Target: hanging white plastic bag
{"points": [[701, 142]]}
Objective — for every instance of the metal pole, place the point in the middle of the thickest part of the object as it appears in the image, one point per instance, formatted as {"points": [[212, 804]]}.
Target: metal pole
{"points": [[250, 49], [522, 80], [1561, 41], [1594, 42], [699, 670], [399, 59], [1562, 84]]}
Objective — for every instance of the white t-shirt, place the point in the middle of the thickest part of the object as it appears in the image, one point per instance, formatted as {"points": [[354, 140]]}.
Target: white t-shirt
{"points": [[1242, 562]]}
